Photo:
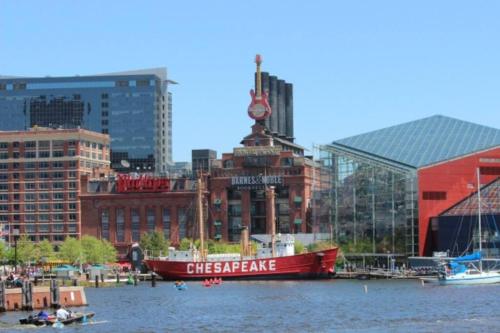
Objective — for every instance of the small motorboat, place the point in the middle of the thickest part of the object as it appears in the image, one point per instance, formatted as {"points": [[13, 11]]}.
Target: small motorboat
{"points": [[76, 317]]}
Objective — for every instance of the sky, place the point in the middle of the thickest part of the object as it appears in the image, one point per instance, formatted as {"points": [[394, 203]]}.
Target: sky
{"points": [[356, 66]]}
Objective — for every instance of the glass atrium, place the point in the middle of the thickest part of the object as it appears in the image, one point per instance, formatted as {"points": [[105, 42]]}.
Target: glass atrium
{"points": [[367, 204]]}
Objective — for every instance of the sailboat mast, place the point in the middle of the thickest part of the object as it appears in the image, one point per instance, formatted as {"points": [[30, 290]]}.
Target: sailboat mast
{"points": [[200, 218], [479, 218]]}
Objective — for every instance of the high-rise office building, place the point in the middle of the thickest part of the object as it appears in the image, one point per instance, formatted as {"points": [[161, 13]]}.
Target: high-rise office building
{"points": [[40, 173], [134, 108]]}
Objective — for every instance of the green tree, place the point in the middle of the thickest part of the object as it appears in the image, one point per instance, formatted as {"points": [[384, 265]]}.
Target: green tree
{"points": [[91, 250], [109, 251], [4, 251], [45, 250], [97, 251], [298, 247], [71, 250], [154, 242], [26, 251]]}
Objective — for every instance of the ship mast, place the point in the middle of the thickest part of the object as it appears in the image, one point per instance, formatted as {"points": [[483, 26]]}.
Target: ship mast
{"points": [[271, 216], [479, 219], [199, 207]]}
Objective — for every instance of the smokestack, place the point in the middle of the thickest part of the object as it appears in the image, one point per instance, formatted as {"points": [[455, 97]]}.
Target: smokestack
{"points": [[289, 111], [273, 101], [281, 109], [264, 77]]}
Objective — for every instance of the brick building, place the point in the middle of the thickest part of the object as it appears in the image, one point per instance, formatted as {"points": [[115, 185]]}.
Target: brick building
{"points": [[39, 180]]}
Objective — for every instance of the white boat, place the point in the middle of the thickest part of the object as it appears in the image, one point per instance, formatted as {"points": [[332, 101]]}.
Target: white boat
{"points": [[469, 269]]}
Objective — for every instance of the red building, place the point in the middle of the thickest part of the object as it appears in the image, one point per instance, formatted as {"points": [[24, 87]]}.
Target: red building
{"points": [[237, 187], [442, 185], [122, 217]]}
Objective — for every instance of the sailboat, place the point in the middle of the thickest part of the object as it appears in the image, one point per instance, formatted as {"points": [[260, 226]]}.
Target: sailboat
{"points": [[275, 261], [469, 269]]}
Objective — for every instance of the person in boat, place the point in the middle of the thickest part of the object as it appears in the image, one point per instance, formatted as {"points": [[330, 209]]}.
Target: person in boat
{"points": [[62, 313], [42, 315]]}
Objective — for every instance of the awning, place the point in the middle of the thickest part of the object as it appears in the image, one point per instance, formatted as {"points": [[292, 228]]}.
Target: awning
{"points": [[217, 223], [298, 221], [217, 201], [297, 199], [218, 236]]}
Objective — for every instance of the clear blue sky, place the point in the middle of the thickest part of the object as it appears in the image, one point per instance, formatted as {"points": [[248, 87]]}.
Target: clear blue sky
{"points": [[356, 66]]}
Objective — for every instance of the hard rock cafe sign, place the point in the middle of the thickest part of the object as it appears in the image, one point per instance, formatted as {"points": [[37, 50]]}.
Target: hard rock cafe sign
{"points": [[142, 183], [259, 108]]}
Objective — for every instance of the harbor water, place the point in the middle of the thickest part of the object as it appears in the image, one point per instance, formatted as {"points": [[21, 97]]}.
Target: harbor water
{"points": [[287, 306]]}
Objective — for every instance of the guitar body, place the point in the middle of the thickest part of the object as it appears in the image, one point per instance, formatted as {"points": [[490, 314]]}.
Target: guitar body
{"points": [[259, 107]]}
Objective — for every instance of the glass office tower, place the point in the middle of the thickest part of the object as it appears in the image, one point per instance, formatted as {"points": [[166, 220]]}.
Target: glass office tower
{"points": [[134, 108]]}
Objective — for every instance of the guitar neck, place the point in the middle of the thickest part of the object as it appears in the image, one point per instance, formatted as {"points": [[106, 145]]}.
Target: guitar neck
{"points": [[258, 79]]}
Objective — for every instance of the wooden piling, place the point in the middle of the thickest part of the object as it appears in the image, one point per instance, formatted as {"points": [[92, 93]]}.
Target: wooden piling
{"points": [[54, 294], [97, 281], [3, 306], [27, 296], [153, 280]]}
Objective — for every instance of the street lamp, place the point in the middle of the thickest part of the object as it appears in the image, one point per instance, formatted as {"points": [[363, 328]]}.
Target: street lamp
{"points": [[15, 233]]}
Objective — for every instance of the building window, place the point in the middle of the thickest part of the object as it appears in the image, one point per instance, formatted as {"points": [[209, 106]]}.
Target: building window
{"points": [[58, 196], [30, 144], [166, 223], [105, 224], [43, 228], [58, 153], [58, 175], [120, 225], [151, 219], [434, 195], [30, 228], [136, 225], [29, 207], [182, 218], [58, 206], [122, 83], [58, 227], [43, 196], [30, 154]]}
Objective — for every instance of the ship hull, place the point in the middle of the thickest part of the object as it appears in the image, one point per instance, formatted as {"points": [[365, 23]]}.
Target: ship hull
{"points": [[302, 266]]}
